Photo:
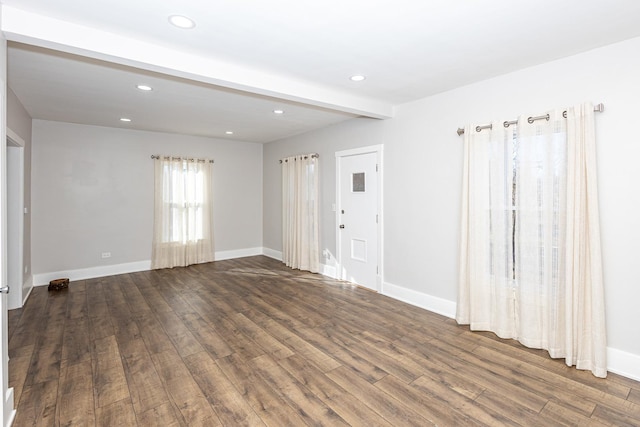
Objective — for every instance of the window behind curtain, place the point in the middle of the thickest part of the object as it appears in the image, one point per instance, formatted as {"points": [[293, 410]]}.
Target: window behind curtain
{"points": [[183, 196], [530, 262], [182, 217]]}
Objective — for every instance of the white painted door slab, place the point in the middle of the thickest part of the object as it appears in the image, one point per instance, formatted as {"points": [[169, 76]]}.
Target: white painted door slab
{"points": [[7, 411], [357, 219]]}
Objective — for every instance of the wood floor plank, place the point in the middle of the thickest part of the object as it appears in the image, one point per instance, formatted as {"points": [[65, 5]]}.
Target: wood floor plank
{"points": [[178, 333], [45, 365], [555, 414], [145, 386], [76, 342], [343, 403], [77, 305], [116, 414], [109, 381], [294, 342], [206, 335], [392, 410], [163, 415], [31, 320], [183, 390], [269, 406], [616, 386], [13, 320], [431, 406], [227, 402], [453, 400], [155, 338], [37, 406], [237, 340], [264, 340], [511, 410], [250, 342], [75, 404], [298, 396], [341, 353], [18, 366], [427, 368], [615, 417], [152, 296], [369, 351], [555, 388], [565, 392], [94, 289], [137, 303], [484, 374]]}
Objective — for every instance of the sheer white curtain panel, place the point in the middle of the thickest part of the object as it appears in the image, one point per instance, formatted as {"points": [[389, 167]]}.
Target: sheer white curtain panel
{"points": [[300, 212], [183, 223], [530, 262]]}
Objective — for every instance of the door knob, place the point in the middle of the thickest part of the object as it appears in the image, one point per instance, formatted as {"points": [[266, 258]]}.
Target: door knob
{"points": [[4, 290], [341, 225]]}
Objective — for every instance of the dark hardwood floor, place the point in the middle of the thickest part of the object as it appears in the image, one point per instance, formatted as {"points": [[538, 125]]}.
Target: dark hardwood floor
{"points": [[251, 342]]}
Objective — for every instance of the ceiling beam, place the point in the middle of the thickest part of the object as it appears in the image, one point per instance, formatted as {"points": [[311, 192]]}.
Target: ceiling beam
{"points": [[38, 30]]}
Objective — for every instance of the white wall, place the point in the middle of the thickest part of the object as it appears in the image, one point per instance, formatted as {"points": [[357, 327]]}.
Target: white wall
{"points": [[92, 190], [423, 164]]}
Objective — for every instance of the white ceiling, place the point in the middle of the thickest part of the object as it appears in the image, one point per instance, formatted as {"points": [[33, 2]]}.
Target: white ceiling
{"points": [[245, 58]]}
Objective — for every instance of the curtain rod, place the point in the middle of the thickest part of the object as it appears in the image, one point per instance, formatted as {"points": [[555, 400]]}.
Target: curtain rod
{"points": [[598, 108], [313, 156], [153, 156]]}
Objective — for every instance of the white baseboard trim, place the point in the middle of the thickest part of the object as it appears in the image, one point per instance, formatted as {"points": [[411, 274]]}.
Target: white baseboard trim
{"points": [[43, 279], [28, 284], [325, 270], [271, 253], [623, 363], [237, 253], [329, 271], [9, 410], [91, 272], [419, 299]]}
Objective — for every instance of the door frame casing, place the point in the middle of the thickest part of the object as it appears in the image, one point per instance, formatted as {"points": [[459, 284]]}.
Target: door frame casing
{"points": [[18, 145], [379, 151]]}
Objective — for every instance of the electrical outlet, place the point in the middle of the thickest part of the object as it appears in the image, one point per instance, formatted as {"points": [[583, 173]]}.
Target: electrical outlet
{"points": [[106, 254]]}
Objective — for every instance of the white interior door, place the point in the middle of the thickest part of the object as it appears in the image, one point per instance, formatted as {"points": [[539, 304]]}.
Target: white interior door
{"points": [[358, 217], [7, 411]]}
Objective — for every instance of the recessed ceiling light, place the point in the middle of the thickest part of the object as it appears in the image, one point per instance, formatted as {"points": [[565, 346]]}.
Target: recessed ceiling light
{"points": [[144, 88], [278, 111], [357, 78], [124, 119], [229, 132], [181, 21]]}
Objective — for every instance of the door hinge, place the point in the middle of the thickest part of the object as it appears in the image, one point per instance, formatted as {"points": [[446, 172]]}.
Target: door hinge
{"points": [[376, 218], [376, 167], [377, 272]]}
